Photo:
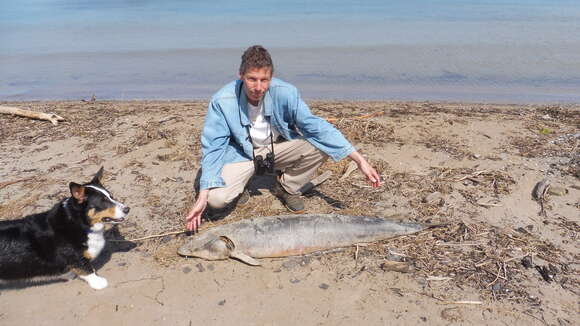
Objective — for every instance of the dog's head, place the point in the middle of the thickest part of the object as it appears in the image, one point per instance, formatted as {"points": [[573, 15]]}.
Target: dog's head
{"points": [[98, 203]]}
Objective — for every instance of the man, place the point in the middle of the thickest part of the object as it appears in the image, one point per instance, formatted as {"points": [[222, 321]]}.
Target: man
{"points": [[257, 118]]}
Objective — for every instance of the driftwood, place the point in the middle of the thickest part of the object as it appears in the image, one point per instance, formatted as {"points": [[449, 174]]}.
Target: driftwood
{"points": [[31, 114], [349, 169]]}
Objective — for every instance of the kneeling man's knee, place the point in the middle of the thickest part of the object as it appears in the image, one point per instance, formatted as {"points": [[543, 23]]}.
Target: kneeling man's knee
{"points": [[218, 198]]}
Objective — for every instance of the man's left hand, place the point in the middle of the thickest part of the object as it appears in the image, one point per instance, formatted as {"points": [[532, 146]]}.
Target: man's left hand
{"points": [[373, 177]]}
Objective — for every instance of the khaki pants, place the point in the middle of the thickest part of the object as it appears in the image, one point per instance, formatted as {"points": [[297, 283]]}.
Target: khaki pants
{"points": [[297, 159]]}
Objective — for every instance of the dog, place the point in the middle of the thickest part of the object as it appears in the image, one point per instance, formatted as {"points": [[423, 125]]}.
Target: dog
{"points": [[62, 240]]}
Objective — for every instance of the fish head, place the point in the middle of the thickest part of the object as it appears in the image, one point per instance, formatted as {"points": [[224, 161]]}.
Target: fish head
{"points": [[215, 248]]}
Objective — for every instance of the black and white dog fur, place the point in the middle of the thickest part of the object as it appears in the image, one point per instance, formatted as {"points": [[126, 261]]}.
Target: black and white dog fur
{"points": [[64, 239]]}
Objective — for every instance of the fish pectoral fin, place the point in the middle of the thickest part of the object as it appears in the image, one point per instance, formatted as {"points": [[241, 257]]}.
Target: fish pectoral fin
{"points": [[245, 258]]}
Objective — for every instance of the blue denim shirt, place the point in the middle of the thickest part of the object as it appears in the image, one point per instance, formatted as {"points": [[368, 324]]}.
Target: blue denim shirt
{"points": [[225, 137]]}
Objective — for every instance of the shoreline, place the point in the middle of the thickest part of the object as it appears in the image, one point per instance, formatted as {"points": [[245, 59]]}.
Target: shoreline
{"points": [[310, 102]]}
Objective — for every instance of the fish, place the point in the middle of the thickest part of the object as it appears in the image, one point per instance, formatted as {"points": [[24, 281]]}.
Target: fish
{"points": [[290, 235]]}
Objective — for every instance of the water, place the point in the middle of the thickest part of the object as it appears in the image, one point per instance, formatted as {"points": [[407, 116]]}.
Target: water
{"points": [[524, 51]]}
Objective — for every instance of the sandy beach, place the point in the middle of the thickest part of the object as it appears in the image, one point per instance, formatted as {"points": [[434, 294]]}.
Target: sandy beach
{"points": [[470, 168]]}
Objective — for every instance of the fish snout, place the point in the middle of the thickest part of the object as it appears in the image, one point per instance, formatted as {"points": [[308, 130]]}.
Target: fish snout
{"points": [[214, 249]]}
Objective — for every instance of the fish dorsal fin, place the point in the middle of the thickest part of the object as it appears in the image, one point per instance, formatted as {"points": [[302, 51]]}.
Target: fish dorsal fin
{"points": [[238, 254]]}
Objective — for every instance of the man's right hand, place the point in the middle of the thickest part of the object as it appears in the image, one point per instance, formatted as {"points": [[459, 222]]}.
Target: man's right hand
{"points": [[193, 218]]}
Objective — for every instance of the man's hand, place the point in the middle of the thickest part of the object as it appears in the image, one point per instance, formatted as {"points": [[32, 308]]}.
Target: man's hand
{"points": [[193, 218], [372, 176]]}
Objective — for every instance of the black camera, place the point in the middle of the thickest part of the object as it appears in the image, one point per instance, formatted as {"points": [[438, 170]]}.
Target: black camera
{"points": [[263, 165]]}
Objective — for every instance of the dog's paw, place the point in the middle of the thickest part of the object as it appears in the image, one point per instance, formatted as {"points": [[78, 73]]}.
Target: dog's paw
{"points": [[95, 281]]}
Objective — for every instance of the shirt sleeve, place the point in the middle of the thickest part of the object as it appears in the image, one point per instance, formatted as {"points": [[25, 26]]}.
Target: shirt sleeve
{"points": [[214, 140], [318, 131]]}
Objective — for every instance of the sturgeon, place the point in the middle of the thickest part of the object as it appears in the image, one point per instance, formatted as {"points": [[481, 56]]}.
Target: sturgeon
{"points": [[290, 235]]}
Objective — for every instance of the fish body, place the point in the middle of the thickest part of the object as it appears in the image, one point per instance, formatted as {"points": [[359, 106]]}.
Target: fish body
{"points": [[291, 235]]}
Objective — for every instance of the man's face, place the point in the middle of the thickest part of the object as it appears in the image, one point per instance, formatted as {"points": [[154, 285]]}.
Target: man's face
{"points": [[256, 83]]}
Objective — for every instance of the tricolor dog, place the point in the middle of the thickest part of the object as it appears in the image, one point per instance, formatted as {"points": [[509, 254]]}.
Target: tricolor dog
{"points": [[63, 239]]}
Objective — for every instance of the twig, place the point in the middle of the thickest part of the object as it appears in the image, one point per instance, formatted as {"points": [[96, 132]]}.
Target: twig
{"points": [[150, 237], [459, 244], [543, 321], [462, 302], [362, 117], [7, 183], [474, 174], [480, 203], [496, 277], [505, 261], [456, 302], [438, 278]]}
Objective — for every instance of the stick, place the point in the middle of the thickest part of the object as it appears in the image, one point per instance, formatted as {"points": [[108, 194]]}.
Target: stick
{"points": [[481, 203], [362, 117], [150, 236], [438, 278], [462, 302], [7, 183], [31, 114], [454, 302], [474, 174], [505, 261], [496, 277]]}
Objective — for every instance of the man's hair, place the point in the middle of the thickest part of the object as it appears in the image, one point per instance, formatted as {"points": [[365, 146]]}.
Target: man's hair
{"points": [[256, 56]]}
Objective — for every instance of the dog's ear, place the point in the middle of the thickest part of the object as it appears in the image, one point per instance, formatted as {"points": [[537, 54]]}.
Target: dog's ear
{"points": [[77, 192], [97, 178]]}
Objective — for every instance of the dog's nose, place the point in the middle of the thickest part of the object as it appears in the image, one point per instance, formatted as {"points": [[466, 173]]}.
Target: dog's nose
{"points": [[126, 210]]}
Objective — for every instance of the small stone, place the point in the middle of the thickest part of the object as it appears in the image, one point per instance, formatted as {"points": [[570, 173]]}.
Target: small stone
{"points": [[433, 198], [527, 262], [200, 268], [496, 287], [557, 191], [424, 319], [294, 281], [223, 302], [186, 269], [290, 264], [324, 286]]}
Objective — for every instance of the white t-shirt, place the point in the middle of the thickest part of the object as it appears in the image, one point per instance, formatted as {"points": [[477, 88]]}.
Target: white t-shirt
{"points": [[261, 127]]}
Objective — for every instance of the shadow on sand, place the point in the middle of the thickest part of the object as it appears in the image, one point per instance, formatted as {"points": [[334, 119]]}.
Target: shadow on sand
{"points": [[98, 263]]}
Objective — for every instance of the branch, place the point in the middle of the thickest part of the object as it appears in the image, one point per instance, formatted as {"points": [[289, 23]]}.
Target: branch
{"points": [[31, 114]]}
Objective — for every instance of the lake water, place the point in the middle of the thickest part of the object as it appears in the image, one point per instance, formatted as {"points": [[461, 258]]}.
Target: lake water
{"points": [[522, 51]]}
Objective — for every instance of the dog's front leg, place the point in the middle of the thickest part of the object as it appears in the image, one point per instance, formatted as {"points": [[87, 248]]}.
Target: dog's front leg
{"points": [[87, 272]]}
